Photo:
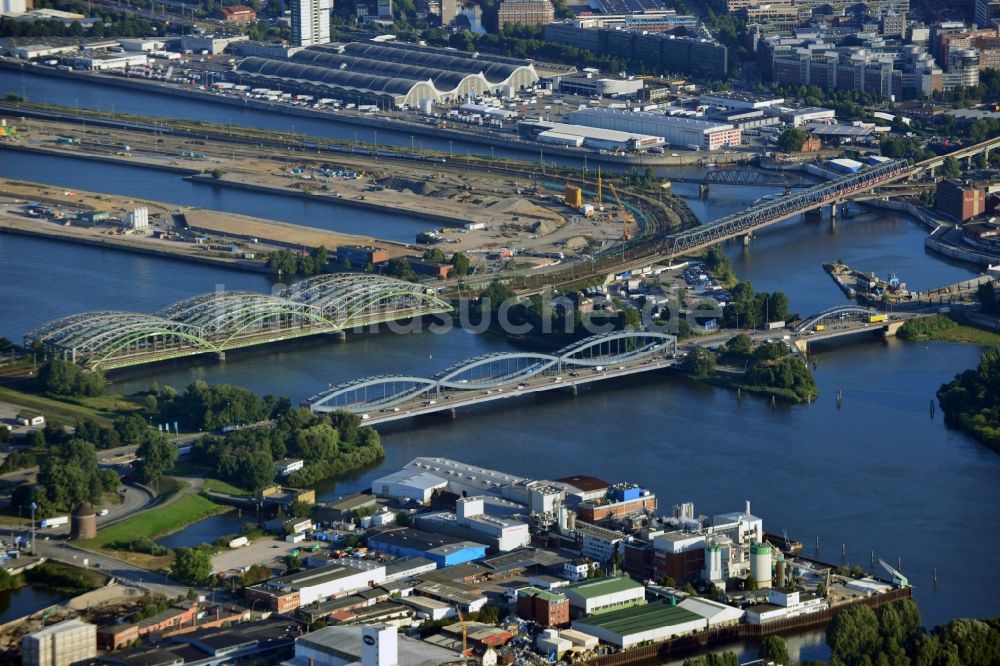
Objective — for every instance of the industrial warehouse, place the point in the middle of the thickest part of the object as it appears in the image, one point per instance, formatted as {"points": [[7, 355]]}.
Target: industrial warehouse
{"points": [[675, 130], [387, 74]]}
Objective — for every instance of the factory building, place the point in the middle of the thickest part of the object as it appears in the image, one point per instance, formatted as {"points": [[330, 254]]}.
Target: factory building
{"points": [[545, 608], [409, 484], [442, 550], [650, 623], [286, 593], [679, 555], [102, 62], [603, 595], [784, 604], [676, 131], [621, 500], [735, 100], [471, 522], [597, 138]]}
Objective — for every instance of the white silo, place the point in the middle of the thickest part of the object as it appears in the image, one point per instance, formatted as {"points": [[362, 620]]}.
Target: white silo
{"points": [[760, 565], [713, 563]]}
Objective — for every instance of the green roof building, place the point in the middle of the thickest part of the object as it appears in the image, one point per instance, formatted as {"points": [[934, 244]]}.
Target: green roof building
{"points": [[603, 595], [655, 622]]}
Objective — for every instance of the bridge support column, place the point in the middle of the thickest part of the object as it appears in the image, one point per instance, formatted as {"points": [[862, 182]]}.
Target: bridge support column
{"points": [[340, 336], [746, 239], [573, 390], [452, 414], [703, 190], [220, 356], [833, 212]]}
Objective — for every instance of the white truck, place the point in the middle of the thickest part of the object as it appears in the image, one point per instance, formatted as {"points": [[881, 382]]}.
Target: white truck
{"points": [[55, 521]]}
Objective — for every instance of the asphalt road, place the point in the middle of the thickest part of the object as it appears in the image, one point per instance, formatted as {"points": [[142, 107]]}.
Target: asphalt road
{"points": [[122, 571]]}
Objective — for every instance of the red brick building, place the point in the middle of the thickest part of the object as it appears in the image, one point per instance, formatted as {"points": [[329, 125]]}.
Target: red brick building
{"points": [[173, 618], [238, 14], [960, 200], [116, 636], [547, 609]]}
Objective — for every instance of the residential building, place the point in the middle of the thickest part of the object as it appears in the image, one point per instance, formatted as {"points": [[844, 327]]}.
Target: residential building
{"points": [[959, 200], [544, 607], [603, 595], [13, 7], [62, 644], [311, 22], [525, 12], [893, 24]]}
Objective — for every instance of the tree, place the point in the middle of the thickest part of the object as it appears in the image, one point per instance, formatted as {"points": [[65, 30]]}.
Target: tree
{"points": [[434, 254], [69, 476], [149, 402], [399, 267], [792, 140], [773, 648], [951, 168], [65, 378], [192, 566], [131, 428], [740, 344], [700, 363], [157, 455], [216, 174], [853, 634], [460, 263]]}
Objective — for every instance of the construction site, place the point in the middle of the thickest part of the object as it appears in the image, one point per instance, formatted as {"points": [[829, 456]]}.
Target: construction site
{"points": [[524, 214]]}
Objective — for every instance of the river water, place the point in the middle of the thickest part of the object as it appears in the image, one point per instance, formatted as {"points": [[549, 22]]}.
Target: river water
{"points": [[878, 473]]}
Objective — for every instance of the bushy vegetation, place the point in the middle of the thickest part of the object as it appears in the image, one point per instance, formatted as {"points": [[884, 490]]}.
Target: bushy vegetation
{"points": [[204, 406], [972, 400], [290, 264], [792, 140], [940, 327], [67, 476], [64, 578], [63, 378], [192, 565], [771, 368], [140, 544], [752, 310], [330, 444]]}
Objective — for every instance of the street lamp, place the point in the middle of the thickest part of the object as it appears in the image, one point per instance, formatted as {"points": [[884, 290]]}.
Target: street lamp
{"points": [[33, 507]]}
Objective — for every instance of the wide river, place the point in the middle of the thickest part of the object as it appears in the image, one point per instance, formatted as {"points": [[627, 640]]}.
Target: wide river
{"points": [[876, 474]]}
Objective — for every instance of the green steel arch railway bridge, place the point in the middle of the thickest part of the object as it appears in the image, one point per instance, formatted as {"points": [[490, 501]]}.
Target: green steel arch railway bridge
{"points": [[220, 321], [385, 398]]}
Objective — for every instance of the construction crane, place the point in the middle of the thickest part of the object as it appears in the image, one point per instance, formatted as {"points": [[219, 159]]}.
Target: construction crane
{"points": [[897, 577], [599, 184], [465, 632], [626, 216]]}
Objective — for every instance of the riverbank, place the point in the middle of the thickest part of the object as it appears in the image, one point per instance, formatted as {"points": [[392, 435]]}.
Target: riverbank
{"points": [[370, 121], [945, 329]]}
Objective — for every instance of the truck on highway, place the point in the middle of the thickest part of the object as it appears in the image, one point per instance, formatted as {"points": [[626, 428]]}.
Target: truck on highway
{"points": [[875, 318], [55, 521]]}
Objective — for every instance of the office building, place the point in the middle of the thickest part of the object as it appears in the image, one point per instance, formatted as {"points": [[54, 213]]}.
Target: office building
{"points": [[525, 12], [62, 644], [311, 22]]}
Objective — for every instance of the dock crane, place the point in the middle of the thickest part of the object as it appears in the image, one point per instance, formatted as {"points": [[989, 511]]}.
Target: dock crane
{"points": [[626, 216], [897, 577]]}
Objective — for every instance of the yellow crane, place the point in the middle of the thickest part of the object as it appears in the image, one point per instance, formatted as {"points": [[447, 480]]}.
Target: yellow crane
{"points": [[626, 216]]}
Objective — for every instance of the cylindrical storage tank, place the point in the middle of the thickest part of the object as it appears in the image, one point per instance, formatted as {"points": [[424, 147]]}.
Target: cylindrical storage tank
{"points": [[760, 564], [84, 522], [779, 571], [713, 562], [571, 521]]}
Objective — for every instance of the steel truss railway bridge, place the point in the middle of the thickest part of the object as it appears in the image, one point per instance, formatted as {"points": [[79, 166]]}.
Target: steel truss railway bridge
{"points": [[221, 321], [481, 379]]}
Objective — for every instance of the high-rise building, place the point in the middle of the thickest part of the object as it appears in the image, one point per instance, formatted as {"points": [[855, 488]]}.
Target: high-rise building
{"points": [[986, 12], [311, 22], [61, 644], [525, 12]]}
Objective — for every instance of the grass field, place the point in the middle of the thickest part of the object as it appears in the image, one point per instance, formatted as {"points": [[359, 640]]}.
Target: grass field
{"points": [[214, 485], [940, 327], [157, 522], [102, 409]]}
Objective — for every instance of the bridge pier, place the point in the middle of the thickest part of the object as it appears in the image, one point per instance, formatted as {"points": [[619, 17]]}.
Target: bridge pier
{"points": [[746, 239], [452, 414], [703, 190], [220, 356], [339, 336]]}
